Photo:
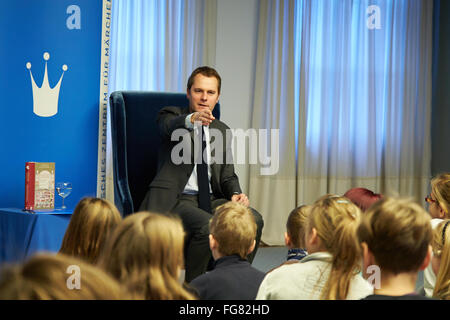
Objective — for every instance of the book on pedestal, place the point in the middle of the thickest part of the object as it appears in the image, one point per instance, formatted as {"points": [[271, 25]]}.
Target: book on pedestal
{"points": [[39, 185]]}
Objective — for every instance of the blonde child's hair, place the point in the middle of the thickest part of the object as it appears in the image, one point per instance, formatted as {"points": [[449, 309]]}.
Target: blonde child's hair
{"points": [[336, 219], [441, 249], [90, 225], [234, 228], [46, 276], [440, 187], [296, 225], [145, 252], [398, 233]]}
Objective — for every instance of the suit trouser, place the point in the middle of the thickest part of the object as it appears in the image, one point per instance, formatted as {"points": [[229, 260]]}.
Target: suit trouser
{"points": [[196, 225]]}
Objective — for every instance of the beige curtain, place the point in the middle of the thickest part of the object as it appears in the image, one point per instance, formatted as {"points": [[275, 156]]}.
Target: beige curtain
{"points": [[275, 195], [352, 102], [155, 45]]}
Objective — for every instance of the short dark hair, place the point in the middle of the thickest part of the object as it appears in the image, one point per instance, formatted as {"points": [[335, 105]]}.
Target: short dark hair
{"points": [[207, 72]]}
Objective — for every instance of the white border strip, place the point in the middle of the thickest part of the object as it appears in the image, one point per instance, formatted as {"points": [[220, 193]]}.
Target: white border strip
{"points": [[102, 119]]}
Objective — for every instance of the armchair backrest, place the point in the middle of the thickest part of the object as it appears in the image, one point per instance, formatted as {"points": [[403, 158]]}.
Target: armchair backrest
{"points": [[136, 140]]}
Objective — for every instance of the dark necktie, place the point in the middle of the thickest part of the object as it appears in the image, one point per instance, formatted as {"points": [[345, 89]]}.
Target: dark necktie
{"points": [[204, 201]]}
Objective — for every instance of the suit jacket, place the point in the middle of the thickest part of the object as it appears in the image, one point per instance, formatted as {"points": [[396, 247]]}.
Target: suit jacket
{"points": [[171, 178]]}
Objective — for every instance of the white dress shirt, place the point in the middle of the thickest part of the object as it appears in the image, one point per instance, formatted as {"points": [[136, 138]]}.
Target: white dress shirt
{"points": [[192, 184]]}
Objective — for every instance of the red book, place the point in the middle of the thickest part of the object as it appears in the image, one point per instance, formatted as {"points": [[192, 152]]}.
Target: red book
{"points": [[39, 185]]}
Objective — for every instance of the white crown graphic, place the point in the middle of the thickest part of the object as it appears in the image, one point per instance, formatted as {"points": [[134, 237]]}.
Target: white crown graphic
{"points": [[45, 99]]}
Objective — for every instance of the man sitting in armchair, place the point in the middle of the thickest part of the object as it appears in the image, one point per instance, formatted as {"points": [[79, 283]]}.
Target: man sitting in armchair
{"points": [[194, 188]]}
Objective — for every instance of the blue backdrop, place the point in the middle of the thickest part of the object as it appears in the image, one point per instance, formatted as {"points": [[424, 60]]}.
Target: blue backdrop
{"points": [[70, 32]]}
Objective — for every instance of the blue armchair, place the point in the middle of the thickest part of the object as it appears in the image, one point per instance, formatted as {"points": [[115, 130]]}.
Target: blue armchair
{"points": [[135, 142]]}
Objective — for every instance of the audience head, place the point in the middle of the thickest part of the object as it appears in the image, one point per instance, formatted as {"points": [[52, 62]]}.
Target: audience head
{"points": [[91, 223], [362, 197], [396, 236], [439, 198], [232, 230], [331, 227], [441, 260], [294, 237], [53, 277], [145, 252]]}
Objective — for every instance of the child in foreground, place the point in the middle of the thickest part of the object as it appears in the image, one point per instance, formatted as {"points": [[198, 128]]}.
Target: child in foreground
{"points": [[231, 239], [331, 269], [395, 236], [440, 262], [294, 237], [92, 221], [145, 254], [48, 276], [439, 208]]}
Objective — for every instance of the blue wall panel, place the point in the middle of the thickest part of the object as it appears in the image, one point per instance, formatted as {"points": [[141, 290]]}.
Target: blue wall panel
{"points": [[70, 32]]}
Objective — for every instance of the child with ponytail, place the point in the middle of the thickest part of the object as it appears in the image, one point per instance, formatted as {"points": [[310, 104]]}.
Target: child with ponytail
{"points": [[331, 268], [439, 208], [440, 261]]}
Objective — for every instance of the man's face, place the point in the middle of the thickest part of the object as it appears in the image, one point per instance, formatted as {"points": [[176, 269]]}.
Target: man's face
{"points": [[204, 93]]}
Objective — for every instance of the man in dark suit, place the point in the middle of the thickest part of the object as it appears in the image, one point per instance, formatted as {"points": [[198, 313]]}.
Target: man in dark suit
{"points": [[181, 188]]}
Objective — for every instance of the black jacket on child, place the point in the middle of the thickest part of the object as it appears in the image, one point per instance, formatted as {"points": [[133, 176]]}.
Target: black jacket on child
{"points": [[232, 278]]}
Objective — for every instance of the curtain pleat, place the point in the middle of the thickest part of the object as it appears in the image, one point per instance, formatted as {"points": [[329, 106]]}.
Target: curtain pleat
{"points": [[273, 195], [358, 114], [155, 45]]}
